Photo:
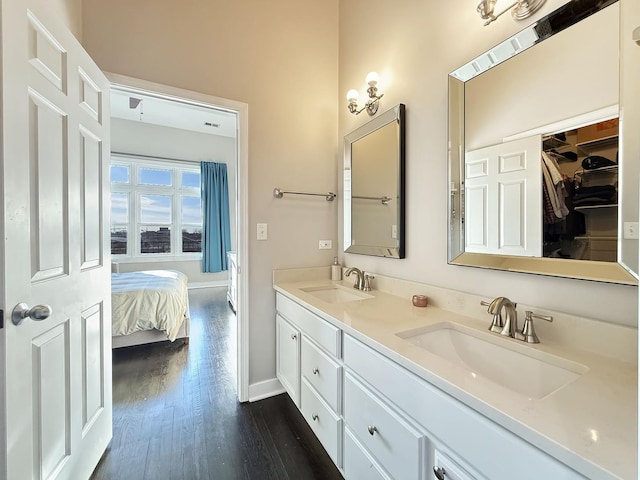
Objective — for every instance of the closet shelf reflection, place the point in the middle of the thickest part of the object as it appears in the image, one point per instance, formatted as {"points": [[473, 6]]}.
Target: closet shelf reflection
{"points": [[594, 207], [604, 142]]}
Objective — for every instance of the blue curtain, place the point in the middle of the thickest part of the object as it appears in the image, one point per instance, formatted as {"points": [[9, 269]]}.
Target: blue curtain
{"points": [[216, 234]]}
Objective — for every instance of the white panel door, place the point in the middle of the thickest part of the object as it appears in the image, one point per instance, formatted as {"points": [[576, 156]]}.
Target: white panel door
{"points": [[503, 198], [55, 126]]}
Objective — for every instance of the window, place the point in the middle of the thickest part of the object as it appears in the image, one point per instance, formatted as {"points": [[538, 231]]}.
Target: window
{"points": [[155, 208]]}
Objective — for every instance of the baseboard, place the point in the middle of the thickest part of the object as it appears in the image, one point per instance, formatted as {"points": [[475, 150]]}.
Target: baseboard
{"points": [[217, 283], [265, 389]]}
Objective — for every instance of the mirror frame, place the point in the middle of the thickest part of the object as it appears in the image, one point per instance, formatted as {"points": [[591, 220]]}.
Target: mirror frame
{"points": [[560, 19], [393, 115]]}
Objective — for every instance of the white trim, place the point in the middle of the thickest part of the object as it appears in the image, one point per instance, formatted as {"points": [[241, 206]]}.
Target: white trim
{"points": [[242, 259], [213, 284], [242, 111], [600, 115], [265, 389]]}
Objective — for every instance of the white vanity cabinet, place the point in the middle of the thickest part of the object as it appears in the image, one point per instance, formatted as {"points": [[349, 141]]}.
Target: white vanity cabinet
{"points": [[481, 448], [311, 371], [378, 420]]}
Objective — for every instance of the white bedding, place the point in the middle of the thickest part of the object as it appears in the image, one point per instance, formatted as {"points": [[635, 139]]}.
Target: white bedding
{"points": [[153, 299]]}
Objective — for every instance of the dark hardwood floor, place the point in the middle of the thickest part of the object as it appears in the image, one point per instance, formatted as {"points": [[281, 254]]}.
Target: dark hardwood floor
{"points": [[176, 413]]}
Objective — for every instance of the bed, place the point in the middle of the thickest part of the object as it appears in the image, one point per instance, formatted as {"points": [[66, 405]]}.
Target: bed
{"points": [[149, 306]]}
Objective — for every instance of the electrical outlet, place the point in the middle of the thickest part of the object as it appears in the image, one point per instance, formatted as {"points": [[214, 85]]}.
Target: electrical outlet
{"points": [[261, 231], [631, 231], [325, 244]]}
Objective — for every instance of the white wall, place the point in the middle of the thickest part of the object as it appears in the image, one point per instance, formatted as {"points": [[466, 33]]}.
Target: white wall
{"points": [[414, 46], [279, 57], [138, 138]]}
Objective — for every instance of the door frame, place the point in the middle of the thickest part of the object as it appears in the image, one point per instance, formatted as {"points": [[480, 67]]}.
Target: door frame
{"points": [[242, 112]]}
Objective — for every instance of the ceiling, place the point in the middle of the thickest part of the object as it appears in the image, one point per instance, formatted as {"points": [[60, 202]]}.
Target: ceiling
{"points": [[156, 110]]}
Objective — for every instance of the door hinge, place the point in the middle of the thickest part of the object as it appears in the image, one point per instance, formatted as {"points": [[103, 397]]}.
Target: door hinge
{"points": [[1, 318]]}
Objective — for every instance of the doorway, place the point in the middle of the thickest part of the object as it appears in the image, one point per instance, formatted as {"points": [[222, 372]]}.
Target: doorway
{"points": [[191, 111]]}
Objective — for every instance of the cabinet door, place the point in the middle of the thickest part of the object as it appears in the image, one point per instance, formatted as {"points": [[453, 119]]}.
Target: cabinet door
{"points": [[288, 358]]}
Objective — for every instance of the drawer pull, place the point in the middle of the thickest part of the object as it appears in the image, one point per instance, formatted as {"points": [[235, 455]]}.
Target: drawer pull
{"points": [[294, 336], [372, 429], [315, 371], [315, 417], [439, 472]]}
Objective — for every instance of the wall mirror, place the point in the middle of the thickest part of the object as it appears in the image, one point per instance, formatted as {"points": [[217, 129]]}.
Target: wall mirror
{"points": [[533, 127], [374, 186]]}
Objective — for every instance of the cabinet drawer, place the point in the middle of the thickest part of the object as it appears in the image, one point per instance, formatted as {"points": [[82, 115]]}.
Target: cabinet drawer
{"points": [[325, 334], [321, 372], [398, 447], [357, 462], [325, 424], [452, 470]]}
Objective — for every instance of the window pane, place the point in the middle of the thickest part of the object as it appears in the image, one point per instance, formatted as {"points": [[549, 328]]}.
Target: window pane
{"points": [[192, 239], [119, 208], [191, 210], [155, 239], [119, 173], [152, 176], [118, 240], [155, 209], [190, 179]]}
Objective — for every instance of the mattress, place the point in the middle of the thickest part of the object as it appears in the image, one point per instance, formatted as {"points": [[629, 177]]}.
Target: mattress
{"points": [[152, 299]]}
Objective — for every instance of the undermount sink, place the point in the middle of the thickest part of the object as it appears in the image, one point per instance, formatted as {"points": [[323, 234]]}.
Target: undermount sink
{"points": [[336, 294], [519, 368]]}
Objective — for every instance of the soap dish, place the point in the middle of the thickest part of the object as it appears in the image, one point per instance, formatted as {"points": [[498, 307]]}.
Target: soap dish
{"points": [[419, 300]]}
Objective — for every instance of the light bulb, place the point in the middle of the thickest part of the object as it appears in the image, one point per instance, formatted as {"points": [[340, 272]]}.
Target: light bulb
{"points": [[352, 95], [372, 78]]}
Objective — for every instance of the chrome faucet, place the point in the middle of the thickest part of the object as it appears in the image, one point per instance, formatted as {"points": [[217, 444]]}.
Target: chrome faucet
{"points": [[366, 283], [510, 324], [359, 284], [528, 332], [509, 327], [497, 324]]}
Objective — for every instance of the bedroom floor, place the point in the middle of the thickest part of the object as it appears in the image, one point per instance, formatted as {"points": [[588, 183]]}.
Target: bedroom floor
{"points": [[176, 414]]}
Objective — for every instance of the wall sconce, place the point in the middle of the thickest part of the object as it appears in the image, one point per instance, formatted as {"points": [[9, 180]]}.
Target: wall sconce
{"points": [[520, 9], [372, 104]]}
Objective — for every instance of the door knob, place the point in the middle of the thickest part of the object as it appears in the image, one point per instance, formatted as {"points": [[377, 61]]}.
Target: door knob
{"points": [[439, 472], [22, 311]]}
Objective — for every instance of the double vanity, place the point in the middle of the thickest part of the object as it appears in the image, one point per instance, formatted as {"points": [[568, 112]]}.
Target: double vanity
{"points": [[398, 391]]}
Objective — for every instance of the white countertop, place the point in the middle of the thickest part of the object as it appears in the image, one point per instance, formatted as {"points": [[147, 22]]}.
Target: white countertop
{"points": [[589, 425]]}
